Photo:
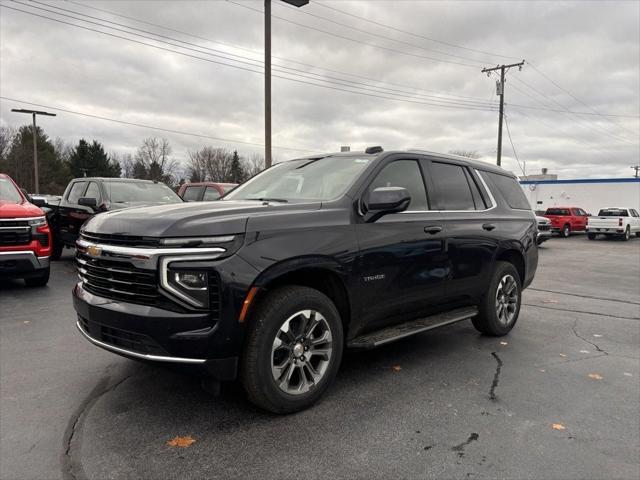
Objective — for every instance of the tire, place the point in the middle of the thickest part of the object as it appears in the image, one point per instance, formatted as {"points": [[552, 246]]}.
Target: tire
{"points": [[56, 251], [566, 231], [627, 234], [591, 236], [488, 321], [275, 348], [40, 281], [637, 234]]}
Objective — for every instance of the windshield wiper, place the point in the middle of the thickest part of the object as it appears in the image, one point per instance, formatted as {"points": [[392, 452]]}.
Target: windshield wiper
{"points": [[267, 199]]}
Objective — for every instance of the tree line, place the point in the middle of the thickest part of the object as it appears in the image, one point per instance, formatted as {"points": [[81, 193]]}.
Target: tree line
{"points": [[59, 162]]}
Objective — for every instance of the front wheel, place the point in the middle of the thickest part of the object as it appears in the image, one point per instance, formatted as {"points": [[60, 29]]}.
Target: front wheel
{"points": [[293, 350], [566, 231], [500, 306], [591, 236]]}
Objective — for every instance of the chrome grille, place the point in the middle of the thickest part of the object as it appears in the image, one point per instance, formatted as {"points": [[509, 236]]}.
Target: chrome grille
{"points": [[118, 280], [124, 240]]}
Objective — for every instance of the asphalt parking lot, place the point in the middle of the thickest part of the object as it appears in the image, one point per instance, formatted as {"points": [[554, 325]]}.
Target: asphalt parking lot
{"points": [[557, 398]]}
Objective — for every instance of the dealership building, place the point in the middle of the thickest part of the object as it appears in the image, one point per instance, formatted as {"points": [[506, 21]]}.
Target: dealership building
{"points": [[590, 194]]}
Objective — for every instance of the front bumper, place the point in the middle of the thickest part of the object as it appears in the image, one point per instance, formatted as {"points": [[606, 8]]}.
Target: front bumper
{"points": [[149, 333], [543, 236], [21, 264]]}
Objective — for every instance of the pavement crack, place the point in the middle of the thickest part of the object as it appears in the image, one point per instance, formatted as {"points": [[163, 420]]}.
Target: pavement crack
{"points": [[574, 327], [496, 377], [581, 311], [71, 467], [460, 447], [593, 297]]}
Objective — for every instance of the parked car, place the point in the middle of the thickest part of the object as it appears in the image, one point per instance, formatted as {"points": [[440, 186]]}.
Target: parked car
{"points": [[621, 222], [25, 238], [566, 220], [544, 229], [84, 197], [307, 258], [204, 191]]}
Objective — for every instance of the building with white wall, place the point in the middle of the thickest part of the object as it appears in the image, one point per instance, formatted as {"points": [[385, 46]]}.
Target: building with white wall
{"points": [[590, 194]]}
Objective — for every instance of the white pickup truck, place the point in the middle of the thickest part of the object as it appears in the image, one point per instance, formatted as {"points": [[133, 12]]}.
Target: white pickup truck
{"points": [[622, 222]]}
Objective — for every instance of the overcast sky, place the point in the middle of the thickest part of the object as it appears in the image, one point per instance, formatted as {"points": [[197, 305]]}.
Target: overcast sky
{"points": [[589, 49]]}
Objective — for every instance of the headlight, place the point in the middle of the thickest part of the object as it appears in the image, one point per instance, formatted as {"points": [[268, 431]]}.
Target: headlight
{"points": [[190, 286], [38, 222], [196, 241]]}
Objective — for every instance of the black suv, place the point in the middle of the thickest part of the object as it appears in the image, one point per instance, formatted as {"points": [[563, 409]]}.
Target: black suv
{"points": [[309, 257]]}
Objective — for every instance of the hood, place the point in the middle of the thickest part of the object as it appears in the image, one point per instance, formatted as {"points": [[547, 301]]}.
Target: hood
{"points": [[188, 219], [19, 210]]}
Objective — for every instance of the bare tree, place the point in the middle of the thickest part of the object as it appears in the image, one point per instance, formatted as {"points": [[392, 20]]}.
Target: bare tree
{"points": [[155, 156], [466, 153], [7, 135], [210, 163], [253, 164], [126, 163]]}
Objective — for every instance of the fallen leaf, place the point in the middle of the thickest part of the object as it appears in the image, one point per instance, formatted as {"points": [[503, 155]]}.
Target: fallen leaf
{"points": [[396, 368], [504, 343], [558, 426], [562, 355], [182, 442], [584, 351], [597, 335], [595, 376], [627, 374]]}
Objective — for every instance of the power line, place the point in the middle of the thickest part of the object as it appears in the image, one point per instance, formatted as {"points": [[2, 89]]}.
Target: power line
{"points": [[524, 171], [381, 47], [239, 47], [377, 35], [413, 34], [151, 127], [386, 95]]}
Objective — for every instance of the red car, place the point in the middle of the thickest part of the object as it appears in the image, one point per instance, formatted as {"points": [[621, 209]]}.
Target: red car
{"points": [[204, 191], [25, 238], [565, 220]]}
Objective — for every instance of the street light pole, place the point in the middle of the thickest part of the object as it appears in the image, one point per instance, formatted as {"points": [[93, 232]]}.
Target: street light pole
{"points": [[33, 113], [267, 75]]}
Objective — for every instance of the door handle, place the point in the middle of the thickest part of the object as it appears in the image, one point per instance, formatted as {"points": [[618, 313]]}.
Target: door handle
{"points": [[432, 229], [488, 226]]}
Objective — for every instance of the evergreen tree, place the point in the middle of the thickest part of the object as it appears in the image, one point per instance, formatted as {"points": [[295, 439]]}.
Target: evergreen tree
{"points": [[92, 161], [237, 171], [139, 170]]}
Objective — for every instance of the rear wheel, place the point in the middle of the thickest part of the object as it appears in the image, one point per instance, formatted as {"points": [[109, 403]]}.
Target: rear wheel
{"points": [[627, 234], [293, 350], [500, 306], [566, 231], [40, 281], [591, 236], [56, 251]]}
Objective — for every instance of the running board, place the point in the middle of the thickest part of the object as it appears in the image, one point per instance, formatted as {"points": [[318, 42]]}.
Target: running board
{"points": [[396, 332]]}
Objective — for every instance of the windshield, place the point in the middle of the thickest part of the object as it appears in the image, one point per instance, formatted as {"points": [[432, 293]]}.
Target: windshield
{"points": [[8, 191], [130, 192], [557, 211], [302, 180], [613, 212]]}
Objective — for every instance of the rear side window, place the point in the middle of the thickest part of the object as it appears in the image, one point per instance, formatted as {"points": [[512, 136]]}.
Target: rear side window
{"points": [[404, 173], [77, 189], [453, 191], [633, 213], [510, 190], [93, 191], [557, 211], [210, 193], [192, 194]]}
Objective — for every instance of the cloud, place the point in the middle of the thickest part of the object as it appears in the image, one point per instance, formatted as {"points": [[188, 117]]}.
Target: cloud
{"points": [[590, 49]]}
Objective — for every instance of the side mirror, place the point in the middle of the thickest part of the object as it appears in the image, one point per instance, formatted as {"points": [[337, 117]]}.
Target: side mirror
{"points": [[38, 201], [88, 202], [384, 200]]}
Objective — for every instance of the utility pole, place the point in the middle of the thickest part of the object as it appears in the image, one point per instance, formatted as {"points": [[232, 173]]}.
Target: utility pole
{"points": [[267, 75], [637, 169], [500, 91], [35, 142]]}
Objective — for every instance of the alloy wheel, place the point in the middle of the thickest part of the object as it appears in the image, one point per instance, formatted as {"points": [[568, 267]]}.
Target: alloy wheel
{"points": [[506, 299], [301, 352]]}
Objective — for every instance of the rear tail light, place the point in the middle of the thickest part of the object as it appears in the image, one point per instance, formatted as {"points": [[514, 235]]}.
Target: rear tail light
{"points": [[619, 222]]}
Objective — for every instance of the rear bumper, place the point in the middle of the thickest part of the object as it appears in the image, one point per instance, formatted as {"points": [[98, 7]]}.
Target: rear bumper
{"points": [[20, 264], [606, 231]]}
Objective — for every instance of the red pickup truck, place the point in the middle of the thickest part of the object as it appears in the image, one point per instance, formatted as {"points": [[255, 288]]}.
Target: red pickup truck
{"points": [[565, 220], [25, 238]]}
